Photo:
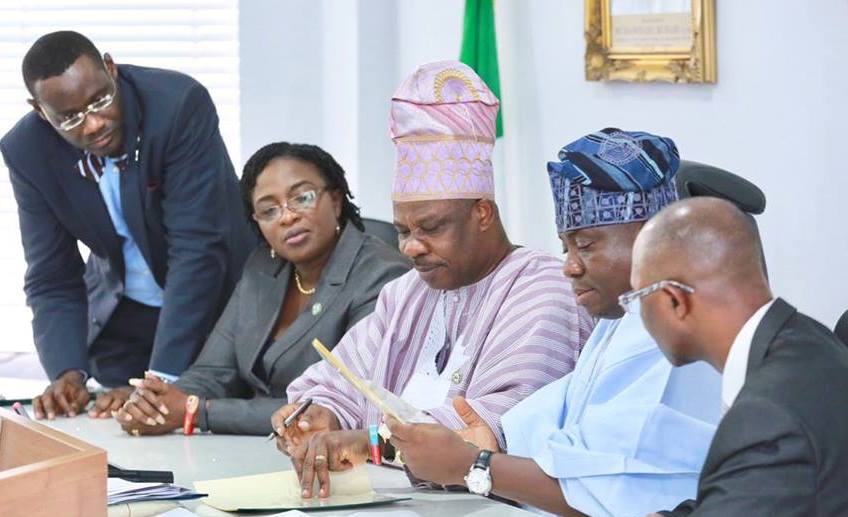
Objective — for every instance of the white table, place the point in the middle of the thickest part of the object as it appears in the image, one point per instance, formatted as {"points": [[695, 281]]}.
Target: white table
{"points": [[206, 456]]}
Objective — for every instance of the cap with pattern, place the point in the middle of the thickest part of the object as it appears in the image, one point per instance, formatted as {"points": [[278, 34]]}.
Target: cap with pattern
{"points": [[442, 122]]}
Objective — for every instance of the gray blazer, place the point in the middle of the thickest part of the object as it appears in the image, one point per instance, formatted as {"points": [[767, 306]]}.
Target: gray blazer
{"points": [[226, 370], [781, 449]]}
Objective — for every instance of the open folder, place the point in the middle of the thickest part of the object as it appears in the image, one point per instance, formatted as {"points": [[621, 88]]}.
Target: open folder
{"points": [[281, 491]]}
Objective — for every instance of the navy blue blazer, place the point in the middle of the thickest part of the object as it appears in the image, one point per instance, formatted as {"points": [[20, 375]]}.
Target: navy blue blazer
{"points": [[180, 199]]}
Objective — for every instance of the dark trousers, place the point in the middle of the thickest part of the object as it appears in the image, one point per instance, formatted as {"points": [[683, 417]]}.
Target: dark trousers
{"points": [[123, 348]]}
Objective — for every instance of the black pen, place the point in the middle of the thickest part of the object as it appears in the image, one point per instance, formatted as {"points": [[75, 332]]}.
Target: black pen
{"points": [[291, 418], [141, 476]]}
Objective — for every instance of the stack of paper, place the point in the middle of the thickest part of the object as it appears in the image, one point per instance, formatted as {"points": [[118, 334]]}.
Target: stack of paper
{"points": [[121, 491]]}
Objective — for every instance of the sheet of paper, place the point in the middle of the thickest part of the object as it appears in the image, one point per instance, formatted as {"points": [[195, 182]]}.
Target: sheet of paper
{"points": [[282, 490]]}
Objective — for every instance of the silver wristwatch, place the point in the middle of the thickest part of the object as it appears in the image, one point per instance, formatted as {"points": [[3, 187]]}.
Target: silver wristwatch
{"points": [[479, 480]]}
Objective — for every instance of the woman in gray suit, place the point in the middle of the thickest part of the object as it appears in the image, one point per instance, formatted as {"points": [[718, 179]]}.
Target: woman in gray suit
{"points": [[315, 276]]}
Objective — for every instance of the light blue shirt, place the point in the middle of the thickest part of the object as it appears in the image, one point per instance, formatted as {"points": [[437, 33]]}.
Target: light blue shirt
{"points": [[139, 283], [626, 433]]}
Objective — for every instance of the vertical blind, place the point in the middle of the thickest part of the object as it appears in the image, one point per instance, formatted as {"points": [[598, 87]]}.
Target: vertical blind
{"points": [[198, 37]]}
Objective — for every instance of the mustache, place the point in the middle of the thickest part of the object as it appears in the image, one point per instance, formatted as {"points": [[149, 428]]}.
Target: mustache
{"points": [[100, 135], [425, 264]]}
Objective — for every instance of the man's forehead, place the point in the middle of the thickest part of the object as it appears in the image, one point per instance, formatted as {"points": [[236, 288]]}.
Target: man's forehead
{"points": [[75, 87], [582, 232], [421, 211]]}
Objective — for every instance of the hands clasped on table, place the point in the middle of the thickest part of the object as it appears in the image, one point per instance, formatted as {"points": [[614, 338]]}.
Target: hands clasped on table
{"points": [[155, 407]]}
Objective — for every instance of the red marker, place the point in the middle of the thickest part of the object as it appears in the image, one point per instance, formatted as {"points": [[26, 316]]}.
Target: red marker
{"points": [[191, 407]]}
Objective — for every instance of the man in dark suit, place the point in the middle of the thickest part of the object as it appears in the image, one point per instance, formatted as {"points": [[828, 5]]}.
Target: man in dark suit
{"points": [[781, 447], [129, 161]]}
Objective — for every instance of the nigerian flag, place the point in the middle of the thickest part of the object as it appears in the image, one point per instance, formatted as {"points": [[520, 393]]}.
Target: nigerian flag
{"points": [[479, 50]]}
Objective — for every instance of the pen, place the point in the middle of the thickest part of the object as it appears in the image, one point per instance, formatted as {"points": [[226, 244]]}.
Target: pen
{"points": [[374, 441], [141, 476], [19, 408], [291, 418]]}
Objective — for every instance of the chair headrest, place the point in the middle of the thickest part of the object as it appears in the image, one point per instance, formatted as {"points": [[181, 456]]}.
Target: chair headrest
{"points": [[699, 179]]}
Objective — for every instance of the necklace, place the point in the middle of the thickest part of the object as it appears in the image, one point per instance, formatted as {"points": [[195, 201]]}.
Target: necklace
{"points": [[300, 286]]}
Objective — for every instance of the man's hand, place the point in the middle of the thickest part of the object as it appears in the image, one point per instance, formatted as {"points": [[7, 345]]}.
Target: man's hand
{"points": [[65, 396], [477, 431], [315, 419], [155, 407], [433, 452], [109, 401], [325, 452]]}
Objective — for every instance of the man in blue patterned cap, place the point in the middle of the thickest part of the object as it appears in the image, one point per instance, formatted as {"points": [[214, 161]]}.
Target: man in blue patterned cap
{"points": [[625, 432]]}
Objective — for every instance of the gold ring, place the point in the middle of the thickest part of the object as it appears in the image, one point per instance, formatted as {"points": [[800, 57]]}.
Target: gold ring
{"points": [[320, 458]]}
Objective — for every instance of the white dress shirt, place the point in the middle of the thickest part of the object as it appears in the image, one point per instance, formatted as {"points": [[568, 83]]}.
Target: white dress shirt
{"points": [[736, 366]]}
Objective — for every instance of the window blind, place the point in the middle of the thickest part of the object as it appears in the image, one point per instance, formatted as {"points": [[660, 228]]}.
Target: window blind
{"points": [[197, 37]]}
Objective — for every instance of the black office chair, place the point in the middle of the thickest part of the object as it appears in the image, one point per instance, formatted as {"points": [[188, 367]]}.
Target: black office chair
{"points": [[699, 179], [382, 230], [841, 328]]}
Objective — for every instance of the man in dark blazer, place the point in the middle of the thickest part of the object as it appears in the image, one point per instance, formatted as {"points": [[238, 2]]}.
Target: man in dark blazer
{"points": [[128, 161], [781, 448]]}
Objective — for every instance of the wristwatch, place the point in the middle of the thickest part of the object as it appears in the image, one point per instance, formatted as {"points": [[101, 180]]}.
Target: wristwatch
{"points": [[479, 480]]}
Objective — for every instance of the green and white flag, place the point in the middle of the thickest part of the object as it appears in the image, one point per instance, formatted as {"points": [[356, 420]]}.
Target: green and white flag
{"points": [[479, 48]]}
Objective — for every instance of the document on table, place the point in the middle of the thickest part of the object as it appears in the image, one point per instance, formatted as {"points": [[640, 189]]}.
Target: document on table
{"points": [[121, 491], [281, 491]]}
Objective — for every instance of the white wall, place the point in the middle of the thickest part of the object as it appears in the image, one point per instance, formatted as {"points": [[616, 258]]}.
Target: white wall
{"points": [[776, 115]]}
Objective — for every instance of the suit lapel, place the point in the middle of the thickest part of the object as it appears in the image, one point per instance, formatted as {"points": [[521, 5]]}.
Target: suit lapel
{"points": [[772, 323], [328, 291], [132, 178], [269, 300]]}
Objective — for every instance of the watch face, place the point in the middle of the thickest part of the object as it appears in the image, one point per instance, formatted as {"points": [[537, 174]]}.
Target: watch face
{"points": [[479, 481]]}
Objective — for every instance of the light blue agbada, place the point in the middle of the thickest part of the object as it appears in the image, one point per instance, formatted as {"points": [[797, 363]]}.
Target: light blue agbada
{"points": [[625, 433]]}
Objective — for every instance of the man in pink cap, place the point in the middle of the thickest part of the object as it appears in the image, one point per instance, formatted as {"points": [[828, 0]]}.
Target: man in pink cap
{"points": [[479, 325]]}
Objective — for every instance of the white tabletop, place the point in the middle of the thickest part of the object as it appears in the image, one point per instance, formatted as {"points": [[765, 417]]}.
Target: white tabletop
{"points": [[206, 456]]}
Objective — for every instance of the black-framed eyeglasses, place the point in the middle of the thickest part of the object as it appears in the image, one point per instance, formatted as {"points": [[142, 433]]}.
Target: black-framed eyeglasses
{"points": [[71, 122], [628, 299], [298, 203]]}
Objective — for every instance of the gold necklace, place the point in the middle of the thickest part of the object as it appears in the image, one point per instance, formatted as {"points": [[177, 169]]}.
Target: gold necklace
{"points": [[300, 288]]}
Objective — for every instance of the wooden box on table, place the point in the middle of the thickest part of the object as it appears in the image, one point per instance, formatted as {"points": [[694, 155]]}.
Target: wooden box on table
{"points": [[44, 472]]}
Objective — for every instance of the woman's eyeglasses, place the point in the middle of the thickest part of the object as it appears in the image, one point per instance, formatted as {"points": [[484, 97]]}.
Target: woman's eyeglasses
{"points": [[299, 203]]}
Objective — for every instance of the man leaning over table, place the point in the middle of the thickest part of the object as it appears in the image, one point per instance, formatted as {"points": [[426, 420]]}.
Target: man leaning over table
{"points": [[128, 161]]}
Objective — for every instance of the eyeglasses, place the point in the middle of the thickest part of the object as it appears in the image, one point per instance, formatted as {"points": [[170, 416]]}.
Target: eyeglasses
{"points": [[297, 204], [626, 300], [73, 121]]}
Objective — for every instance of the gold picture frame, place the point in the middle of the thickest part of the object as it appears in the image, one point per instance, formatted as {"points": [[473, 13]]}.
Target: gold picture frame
{"points": [[652, 46]]}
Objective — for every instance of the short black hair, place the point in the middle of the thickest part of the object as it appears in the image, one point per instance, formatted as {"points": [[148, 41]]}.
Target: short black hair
{"points": [[329, 169], [54, 53]]}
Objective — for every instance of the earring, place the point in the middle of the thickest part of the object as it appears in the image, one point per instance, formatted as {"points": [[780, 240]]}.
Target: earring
{"points": [[338, 230], [273, 254]]}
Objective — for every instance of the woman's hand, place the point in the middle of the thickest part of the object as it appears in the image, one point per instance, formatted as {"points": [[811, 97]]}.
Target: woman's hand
{"points": [[155, 407]]}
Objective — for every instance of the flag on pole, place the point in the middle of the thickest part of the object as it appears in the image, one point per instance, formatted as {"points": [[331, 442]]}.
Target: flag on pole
{"points": [[479, 49]]}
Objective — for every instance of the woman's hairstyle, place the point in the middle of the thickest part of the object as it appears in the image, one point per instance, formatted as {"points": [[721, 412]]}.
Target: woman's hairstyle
{"points": [[328, 167]]}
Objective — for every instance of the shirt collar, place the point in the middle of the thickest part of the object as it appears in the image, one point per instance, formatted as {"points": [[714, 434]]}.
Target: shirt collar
{"points": [[736, 366], [92, 167]]}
